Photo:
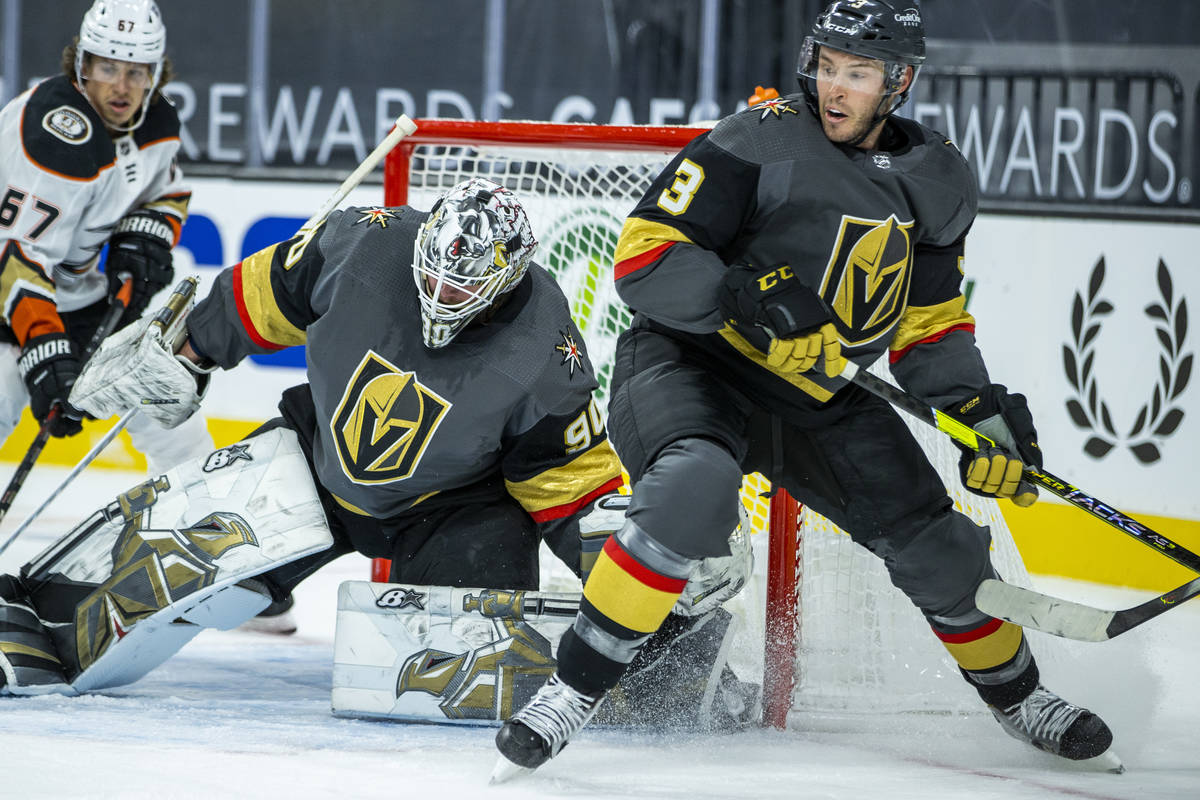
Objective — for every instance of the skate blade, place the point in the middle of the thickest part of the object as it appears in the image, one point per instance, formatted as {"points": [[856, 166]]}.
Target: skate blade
{"points": [[1108, 761], [506, 771]]}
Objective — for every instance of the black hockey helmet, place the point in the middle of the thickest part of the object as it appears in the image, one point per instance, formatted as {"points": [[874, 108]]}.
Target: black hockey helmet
{"points": [[890, 31]]}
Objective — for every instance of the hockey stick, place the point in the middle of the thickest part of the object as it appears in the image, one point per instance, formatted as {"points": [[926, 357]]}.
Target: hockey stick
{"points": [[968, 436], [172, 324], [1031, 609], [107, 325], [402, 127], [169, 322]]}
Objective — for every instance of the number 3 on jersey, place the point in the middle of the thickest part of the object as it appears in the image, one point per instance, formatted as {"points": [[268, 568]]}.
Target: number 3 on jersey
{"points": [[678, 196]]}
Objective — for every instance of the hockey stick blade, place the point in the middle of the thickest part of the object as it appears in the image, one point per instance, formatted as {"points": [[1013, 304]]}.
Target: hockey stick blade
{"points": [[1059, 617]]}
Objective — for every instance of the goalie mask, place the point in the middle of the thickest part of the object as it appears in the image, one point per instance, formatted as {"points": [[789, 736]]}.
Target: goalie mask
{"points": [[474, 247], [129, 31]]}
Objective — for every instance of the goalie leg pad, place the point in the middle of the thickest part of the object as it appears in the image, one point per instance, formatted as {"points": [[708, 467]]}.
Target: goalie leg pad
{"points": [[444, 654], [139, 578], [29, 663]]}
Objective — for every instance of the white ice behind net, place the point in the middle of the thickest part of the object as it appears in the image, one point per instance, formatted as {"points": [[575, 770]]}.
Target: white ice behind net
{"points": [[863, 647]]}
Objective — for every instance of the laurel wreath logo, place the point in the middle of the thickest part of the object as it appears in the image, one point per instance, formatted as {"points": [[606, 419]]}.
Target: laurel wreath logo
{"points": [[1158, 418]]}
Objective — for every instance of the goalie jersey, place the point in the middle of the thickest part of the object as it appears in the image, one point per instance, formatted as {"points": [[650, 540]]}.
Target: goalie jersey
{"points": [[66, 185], [398, 422], [878, 234]]}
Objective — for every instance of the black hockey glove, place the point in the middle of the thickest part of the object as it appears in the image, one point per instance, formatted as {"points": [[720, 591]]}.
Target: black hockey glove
{"points": [[792, 314], [1005, 419], [140, 249], [773, 299], [49, 368]]}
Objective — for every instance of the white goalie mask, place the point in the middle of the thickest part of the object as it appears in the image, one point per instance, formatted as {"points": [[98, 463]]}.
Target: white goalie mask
{"points": [[124, 30], [475, 247]]}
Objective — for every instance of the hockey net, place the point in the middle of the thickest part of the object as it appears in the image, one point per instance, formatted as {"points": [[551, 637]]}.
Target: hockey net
{"points": [[821, 623]]}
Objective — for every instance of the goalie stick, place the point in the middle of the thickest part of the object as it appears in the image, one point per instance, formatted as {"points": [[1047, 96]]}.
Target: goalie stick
{"points": [[108, 324], [169, 321], [1037, 614]]}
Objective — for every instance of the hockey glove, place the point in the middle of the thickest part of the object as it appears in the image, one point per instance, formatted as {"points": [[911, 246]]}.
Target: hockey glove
{"points": [[773, 299], [719, 578], [606, 518], [49, 368], [800, 354], [134, 369], [1005, 419], [140, 249]]}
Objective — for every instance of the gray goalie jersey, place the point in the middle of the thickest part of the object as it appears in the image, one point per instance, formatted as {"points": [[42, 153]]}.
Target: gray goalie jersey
{"points": [[396, 421], [878, 234]]}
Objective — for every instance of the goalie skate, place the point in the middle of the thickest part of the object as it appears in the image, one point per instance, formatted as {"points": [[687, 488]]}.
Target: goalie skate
{"points": [[541, 729], [1049, 723]]}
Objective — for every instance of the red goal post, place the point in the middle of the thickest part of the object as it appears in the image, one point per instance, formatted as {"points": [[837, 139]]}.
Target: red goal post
{"points": [[561, 171]]}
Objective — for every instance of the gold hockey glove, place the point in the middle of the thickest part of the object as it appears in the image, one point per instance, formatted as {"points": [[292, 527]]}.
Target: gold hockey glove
{"points": [[998, 471], [801, 353]]}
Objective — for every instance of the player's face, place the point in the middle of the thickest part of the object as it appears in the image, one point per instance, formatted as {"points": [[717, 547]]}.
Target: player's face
{"points": [[849, 88], [452, 295], [116, 88]]}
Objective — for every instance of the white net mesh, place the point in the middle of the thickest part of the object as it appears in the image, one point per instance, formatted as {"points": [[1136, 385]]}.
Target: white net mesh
{"points": [[863, 647]]}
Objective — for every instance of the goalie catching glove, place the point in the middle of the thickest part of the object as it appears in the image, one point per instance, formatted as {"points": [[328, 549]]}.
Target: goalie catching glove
{"points": [[798, 321], [135, 369], [714, 581], [1005, 419]]}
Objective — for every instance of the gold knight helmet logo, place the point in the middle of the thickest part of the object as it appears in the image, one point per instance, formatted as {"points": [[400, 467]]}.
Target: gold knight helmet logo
{"points": [[384, 421], [866, 281]]}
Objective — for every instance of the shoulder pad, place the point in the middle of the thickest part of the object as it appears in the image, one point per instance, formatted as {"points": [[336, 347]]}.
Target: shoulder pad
{"points": [[162, 122], [62, 133], [755, 134]]}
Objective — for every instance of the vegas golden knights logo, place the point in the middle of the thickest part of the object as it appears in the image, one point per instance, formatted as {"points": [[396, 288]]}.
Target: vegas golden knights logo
{"points": [[384, 422], [151, 568], [866, 281]]}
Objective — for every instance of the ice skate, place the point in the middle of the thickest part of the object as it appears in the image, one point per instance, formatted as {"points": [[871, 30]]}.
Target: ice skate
{"points": [[1046, 721], [276, 618], [537, 732]]}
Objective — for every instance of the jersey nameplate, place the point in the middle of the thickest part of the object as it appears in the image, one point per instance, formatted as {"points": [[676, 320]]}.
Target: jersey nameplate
{"points": [[68, 124]]}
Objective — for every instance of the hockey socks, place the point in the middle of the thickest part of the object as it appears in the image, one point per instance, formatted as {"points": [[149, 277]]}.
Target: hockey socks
{"points": [[629, 593]]}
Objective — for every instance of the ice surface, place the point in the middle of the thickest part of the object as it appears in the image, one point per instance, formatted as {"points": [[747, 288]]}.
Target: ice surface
{"points": [[247, 715]]}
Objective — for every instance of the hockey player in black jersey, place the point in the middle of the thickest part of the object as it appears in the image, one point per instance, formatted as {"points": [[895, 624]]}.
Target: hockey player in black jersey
{"points": [[448, 424], [799, 233]]}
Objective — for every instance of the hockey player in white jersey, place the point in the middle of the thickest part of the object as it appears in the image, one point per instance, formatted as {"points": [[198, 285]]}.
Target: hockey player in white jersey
{"points": [[88, 158]]}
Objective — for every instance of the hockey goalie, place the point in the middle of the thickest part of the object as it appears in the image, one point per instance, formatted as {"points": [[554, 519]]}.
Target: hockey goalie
{"points": [[452, 433], [191, 549]]}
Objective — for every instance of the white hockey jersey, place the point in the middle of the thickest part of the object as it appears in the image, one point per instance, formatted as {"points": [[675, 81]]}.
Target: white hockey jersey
{"points": [[66, 184]]}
